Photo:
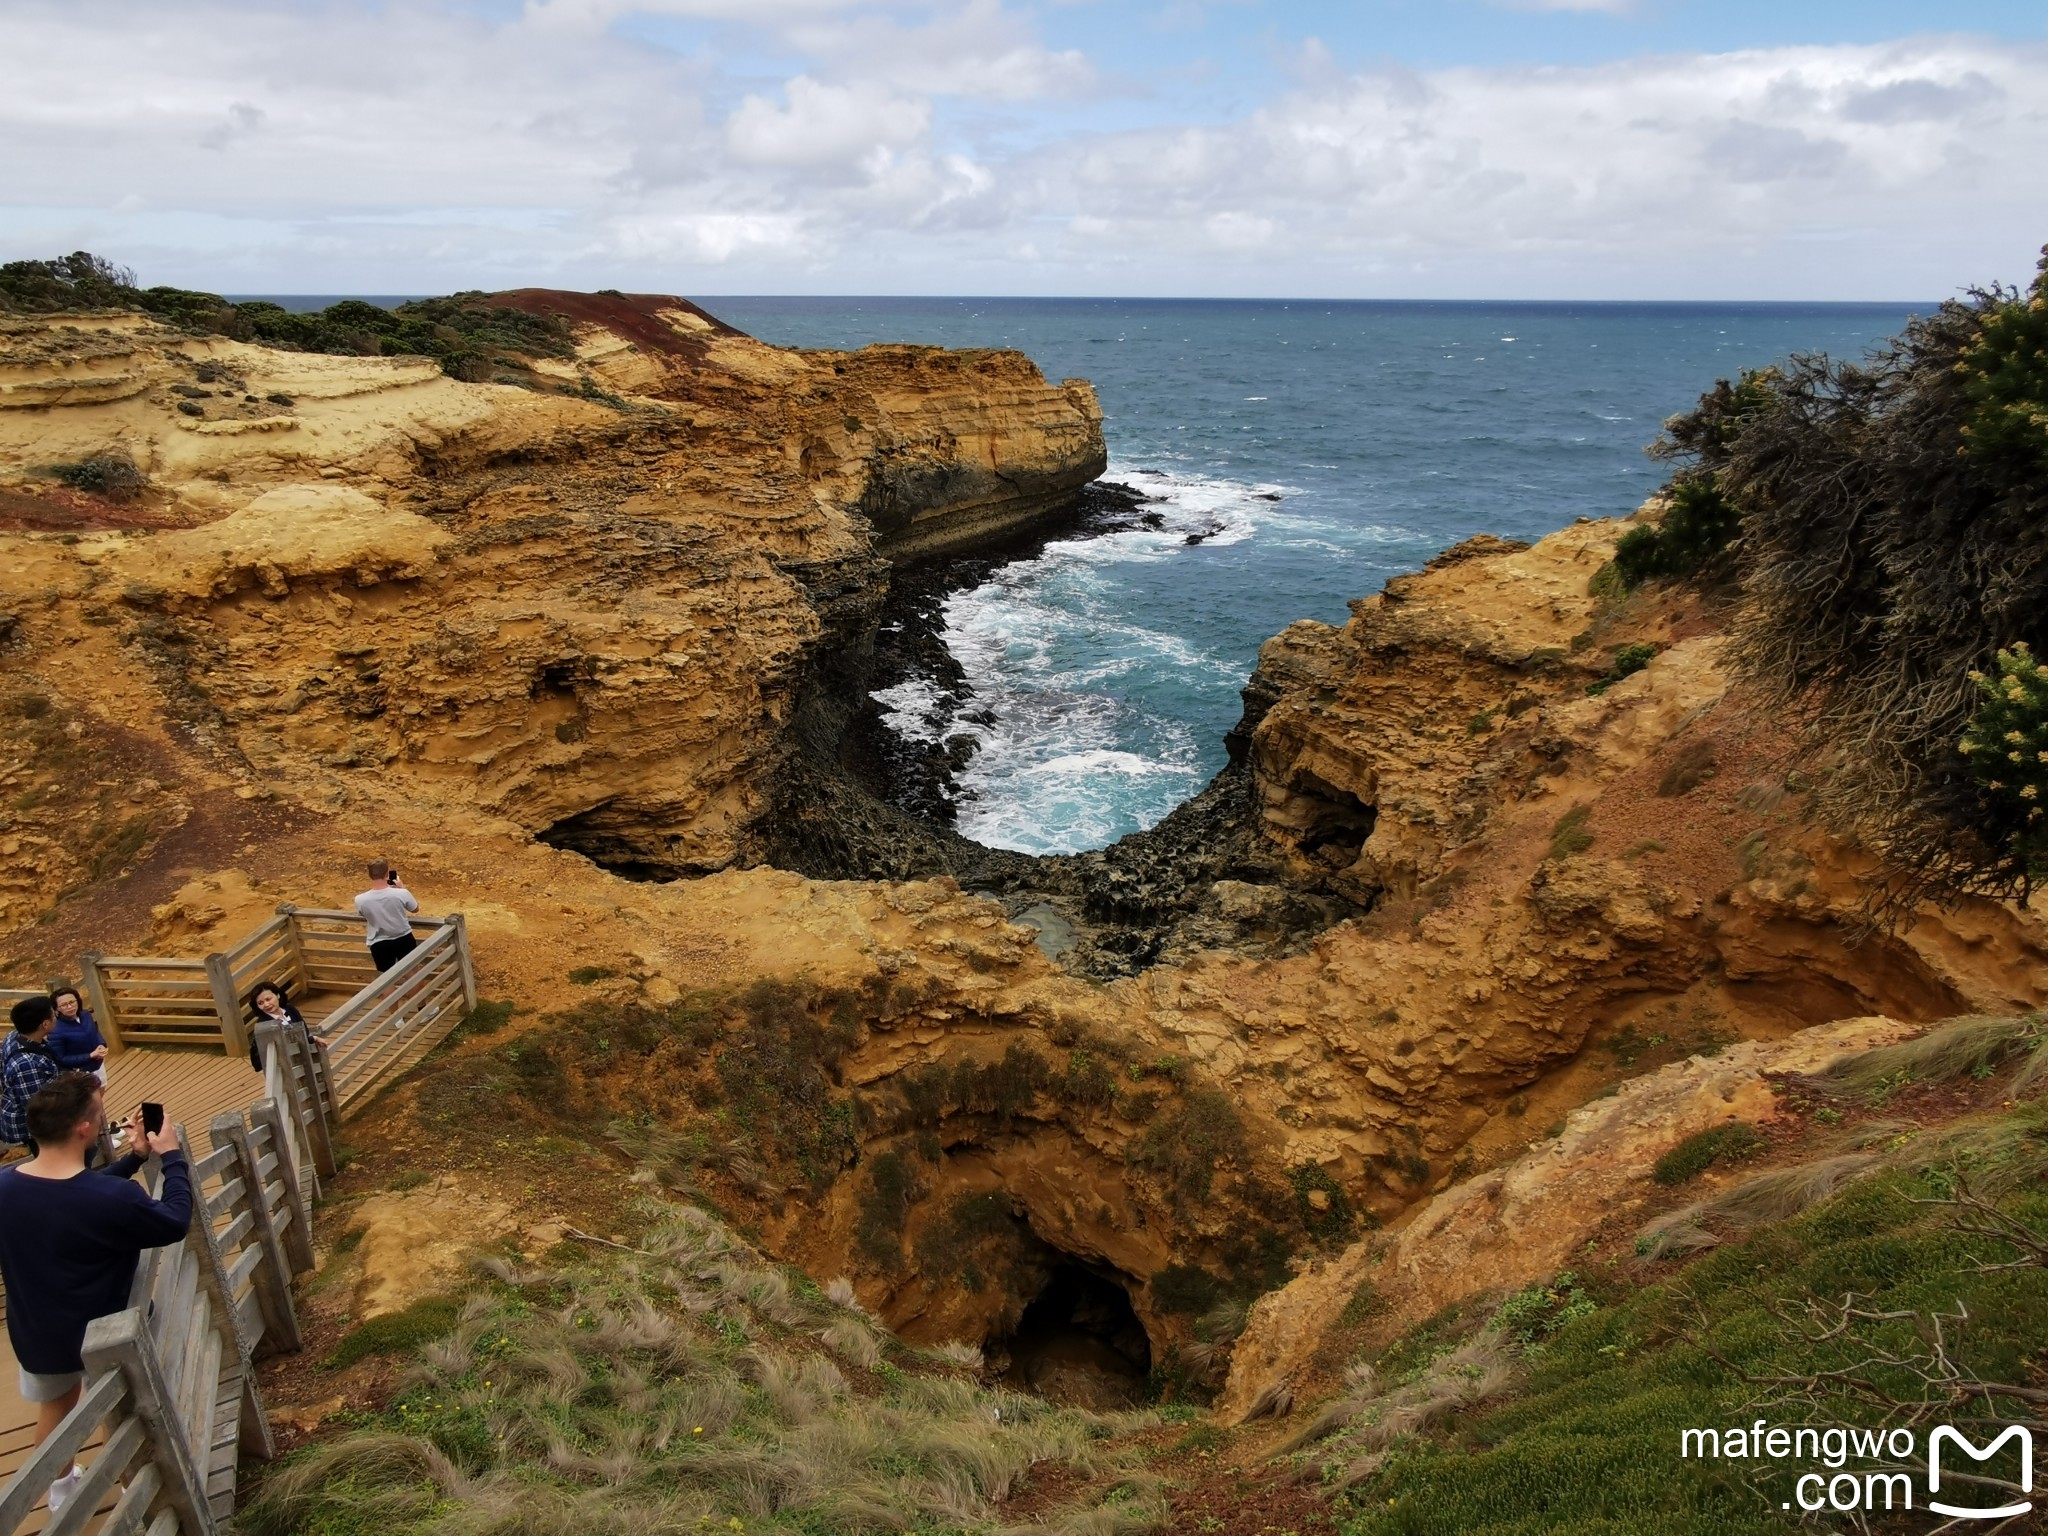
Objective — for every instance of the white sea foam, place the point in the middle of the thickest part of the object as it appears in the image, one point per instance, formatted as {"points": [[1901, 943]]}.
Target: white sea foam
{"points": [[914, 709], [1065, 759]]}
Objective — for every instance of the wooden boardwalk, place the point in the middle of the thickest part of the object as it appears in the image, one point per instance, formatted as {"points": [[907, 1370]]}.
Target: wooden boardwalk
{"points": [[209, 1301]]}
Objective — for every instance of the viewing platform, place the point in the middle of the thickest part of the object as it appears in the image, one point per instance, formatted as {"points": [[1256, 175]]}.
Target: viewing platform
{"points": [[171, 1401]]}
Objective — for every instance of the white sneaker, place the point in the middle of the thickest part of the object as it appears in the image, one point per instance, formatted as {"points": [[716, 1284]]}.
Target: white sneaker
{"points": [[65, 1486]]}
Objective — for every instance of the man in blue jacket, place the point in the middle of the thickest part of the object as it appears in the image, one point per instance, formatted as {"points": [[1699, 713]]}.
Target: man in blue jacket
{"points": [[70, 1238]]}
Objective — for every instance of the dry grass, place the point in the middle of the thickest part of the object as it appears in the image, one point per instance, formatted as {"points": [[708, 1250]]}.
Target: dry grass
{"points": [[1972, 1046], [1349, 1439], [1774, 1196], [678, 1386]]}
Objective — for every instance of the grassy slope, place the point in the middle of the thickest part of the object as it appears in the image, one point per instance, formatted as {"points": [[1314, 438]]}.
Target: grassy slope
{"points": [[688, 1385], [1589, 1443]]}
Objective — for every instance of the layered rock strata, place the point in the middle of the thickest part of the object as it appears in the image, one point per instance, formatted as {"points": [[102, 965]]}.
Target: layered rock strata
{"points": [[1467, 872], [589, 613]]}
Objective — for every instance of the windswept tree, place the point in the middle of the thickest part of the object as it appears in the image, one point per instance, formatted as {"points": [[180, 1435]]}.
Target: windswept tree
{"points": [[1893, 540]]}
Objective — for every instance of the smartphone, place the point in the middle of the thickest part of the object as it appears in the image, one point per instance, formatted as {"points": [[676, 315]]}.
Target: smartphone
{"points": [[152, 1119]]}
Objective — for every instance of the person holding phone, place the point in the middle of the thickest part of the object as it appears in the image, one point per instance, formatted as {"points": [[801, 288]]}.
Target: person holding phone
{"points": [[386, 909], [70, 1238]]}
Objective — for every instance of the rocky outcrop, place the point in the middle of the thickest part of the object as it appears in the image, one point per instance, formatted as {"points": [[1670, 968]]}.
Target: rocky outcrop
{"points": [[1521, 1223], [590, 613], [1487, 850]]}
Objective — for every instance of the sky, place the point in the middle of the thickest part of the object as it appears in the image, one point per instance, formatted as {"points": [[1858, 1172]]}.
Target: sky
{"points": [[1472, 149]]}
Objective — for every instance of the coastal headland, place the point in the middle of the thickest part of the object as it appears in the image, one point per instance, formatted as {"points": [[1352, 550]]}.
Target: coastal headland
{"points": [[1478, 923]]}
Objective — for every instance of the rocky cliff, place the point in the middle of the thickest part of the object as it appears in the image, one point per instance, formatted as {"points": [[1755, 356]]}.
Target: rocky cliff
{"points": [[588, 609], [1493, 847]]}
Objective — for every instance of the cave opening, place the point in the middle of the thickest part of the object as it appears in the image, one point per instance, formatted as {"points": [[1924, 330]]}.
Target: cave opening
{"points": [[1079, 1342]]}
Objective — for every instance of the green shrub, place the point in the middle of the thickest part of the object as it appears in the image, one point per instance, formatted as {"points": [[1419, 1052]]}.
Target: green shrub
{"points": [[1628, 660], [1189, 1144], [1087, 1080], [893, 1187], [486, 1018], [1186, 1288], [1589, 1443], [396, 1332], [947, 1247], [1568, 835], [1698, 525], [1702, 1150], [1530, 1316], [1365, 1304], [2006, 747], [1883, 502], [1335, 1221], [471, 336]]}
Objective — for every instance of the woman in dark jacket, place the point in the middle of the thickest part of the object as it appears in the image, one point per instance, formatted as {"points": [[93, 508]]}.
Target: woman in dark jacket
{"points": [[75, 1038], [270, 1003]]}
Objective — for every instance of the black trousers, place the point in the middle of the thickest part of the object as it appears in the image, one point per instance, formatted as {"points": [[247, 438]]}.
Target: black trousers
{"points": [[386, 953]]}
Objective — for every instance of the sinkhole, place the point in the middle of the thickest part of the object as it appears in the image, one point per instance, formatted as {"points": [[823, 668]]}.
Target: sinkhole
{"points": [[1079, 1342]]}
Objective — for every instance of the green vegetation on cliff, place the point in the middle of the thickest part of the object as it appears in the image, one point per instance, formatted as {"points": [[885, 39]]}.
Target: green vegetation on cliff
{"points": [[472, 337], [689, 1385], [1895, 1280], [1888, 549]]}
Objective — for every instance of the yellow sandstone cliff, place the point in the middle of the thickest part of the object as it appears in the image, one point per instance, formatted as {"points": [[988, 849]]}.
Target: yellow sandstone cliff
{"points": [[364, 608]]}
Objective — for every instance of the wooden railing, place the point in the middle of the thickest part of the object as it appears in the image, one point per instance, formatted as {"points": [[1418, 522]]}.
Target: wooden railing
{"points": [[171, 1399], [161, 1000], [398, 1017]]}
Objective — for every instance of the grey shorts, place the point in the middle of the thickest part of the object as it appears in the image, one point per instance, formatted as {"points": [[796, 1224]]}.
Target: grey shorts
{"points": [[47, 1389]]}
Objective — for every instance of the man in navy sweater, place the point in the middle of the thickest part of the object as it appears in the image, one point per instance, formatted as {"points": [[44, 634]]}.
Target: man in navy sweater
{"points": [[70, 1239]]}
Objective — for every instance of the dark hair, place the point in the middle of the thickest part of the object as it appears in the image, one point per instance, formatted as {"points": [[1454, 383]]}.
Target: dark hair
{"points": [[380, 869], [55, 1109], [32, 1013], [73, 992], [282, 989]]}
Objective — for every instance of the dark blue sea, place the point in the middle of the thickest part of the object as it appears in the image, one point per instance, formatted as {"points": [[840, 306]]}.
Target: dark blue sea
{"points": [[1321, 448]]}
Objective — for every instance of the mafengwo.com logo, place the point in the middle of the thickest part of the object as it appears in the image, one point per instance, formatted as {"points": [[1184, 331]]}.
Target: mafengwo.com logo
{"points": [[1851, 1471]]}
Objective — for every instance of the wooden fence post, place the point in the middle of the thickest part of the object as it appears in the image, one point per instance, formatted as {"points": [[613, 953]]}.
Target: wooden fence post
{"points": [[222, 977], [120, 1341], [298, 1237], [468, 966], [300, 1073], [100, 1000], [255, 1435], [295, 945], [272, 1276]]}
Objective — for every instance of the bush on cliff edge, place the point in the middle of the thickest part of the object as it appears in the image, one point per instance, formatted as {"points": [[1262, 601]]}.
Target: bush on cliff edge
{"points": [[1890, 516]]}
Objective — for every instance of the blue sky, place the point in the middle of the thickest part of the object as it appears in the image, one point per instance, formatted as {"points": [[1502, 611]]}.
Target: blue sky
{"points": [[1384, 148]]}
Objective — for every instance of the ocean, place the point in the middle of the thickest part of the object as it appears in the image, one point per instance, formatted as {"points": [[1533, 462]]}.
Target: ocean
{"points": [[1300, 453]]}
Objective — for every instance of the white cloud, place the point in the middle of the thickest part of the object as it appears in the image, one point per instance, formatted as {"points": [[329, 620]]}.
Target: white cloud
{"points": [[825, 126], [334, 146], [977, 49]]}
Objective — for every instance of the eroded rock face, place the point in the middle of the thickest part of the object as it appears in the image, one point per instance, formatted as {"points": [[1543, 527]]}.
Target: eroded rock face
{"points": [[1521, 1223], [589, 616], [489, 631]]}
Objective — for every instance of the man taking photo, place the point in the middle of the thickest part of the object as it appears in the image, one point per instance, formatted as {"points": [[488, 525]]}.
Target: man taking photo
{"points": [[70, 1239], [386, 909]]}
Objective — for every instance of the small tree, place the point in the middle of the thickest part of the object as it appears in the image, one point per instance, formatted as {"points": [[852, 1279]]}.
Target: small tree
{"points": [[2007, 749]]}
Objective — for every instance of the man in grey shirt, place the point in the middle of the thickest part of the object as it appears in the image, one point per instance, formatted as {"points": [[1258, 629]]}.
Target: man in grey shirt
{"points": [[386, 908]]}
